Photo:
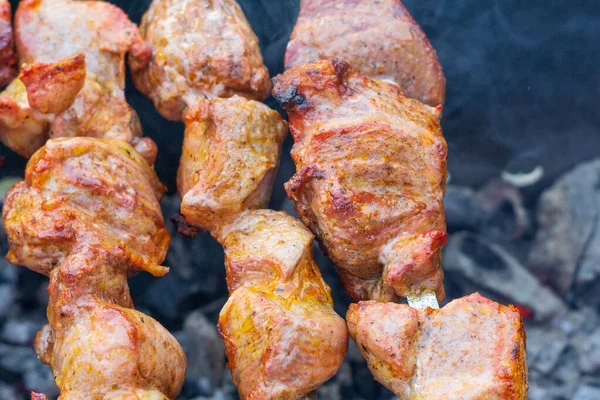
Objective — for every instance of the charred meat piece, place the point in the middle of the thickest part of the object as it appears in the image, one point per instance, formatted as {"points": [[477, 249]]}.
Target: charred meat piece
{"points": [[283, 338], [229, 161], [200, 48], [370, 180], [74, 75], [379, 38], [87, 215], [8, 57], [471, 349]]}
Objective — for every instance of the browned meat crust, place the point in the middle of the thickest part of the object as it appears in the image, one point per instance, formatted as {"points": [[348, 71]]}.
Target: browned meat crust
{"points": [[87, 215], [49, 35], [51, 88], [200, 48], [282, 336], [229, 161], [471, 349], [379, 38], [370, 180], [8, 57]]}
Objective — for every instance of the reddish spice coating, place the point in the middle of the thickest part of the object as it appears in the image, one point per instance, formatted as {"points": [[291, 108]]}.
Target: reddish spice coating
{"points": [[8, 57], [379, 38], [229, 160], [51, 88], [87, 215], [370, 180], [50, 35], [470, 349], [283, 338], [200, 48]]}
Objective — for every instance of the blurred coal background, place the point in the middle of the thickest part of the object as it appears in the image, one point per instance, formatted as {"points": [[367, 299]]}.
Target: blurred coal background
{"points": [[523, 201]]}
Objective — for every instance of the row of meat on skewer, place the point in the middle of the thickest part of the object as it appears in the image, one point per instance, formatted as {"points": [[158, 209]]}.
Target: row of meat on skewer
{"points": [[363, 91]]}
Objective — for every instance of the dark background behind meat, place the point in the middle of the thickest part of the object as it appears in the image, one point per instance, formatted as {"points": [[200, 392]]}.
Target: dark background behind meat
{"points": [[522, 87]]}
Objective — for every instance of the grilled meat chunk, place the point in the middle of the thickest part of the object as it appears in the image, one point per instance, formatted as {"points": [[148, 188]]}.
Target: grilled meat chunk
{"points": [[87, 215], [200, 48], [370, 180], [379, 38], [283, 338], [73, 82], [8, 57], [229, 161], [471, 349]]}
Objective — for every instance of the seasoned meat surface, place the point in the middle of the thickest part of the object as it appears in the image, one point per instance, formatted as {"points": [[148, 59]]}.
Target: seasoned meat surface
{"points": [[471, 349], [370, 180], [87, 215], [90, 38], [8, 57], [200, 48], [283, 338], [229, 161], [379, 38], [51, 88], [73, 187]]}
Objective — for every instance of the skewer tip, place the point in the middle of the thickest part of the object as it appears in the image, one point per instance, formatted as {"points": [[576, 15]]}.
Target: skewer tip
{"points": [[424, 299]]}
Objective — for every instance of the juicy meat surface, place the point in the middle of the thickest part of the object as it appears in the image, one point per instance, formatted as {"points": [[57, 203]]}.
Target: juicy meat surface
{"points": [[471, 349], [379, 38], [230, 157], [8, 57], [51, 88], [370, 180], [200, 48], [87, 215], [85, 190], [63, 37], [282, 337]]}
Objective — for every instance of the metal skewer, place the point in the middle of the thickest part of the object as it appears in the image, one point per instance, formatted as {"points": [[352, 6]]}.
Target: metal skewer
{"points": [[423, 300]]}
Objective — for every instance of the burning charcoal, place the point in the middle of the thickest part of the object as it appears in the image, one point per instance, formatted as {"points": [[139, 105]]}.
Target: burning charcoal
{"points": [[587, 392], [492, 268], [503, 208], [337, 387], [544, 388], [196, 277], [559, 351], [21, 331], [584, 321], [7, 297], [460, 207], [589, 264], [545, 347], [8, 273], [8, 393], [39, 379], [17, 359], [22, 361], [588, 294], [567, 374], [588, 349], [330, 391], [219, 395], [567, 244], [204, 350], [496, 210]]}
